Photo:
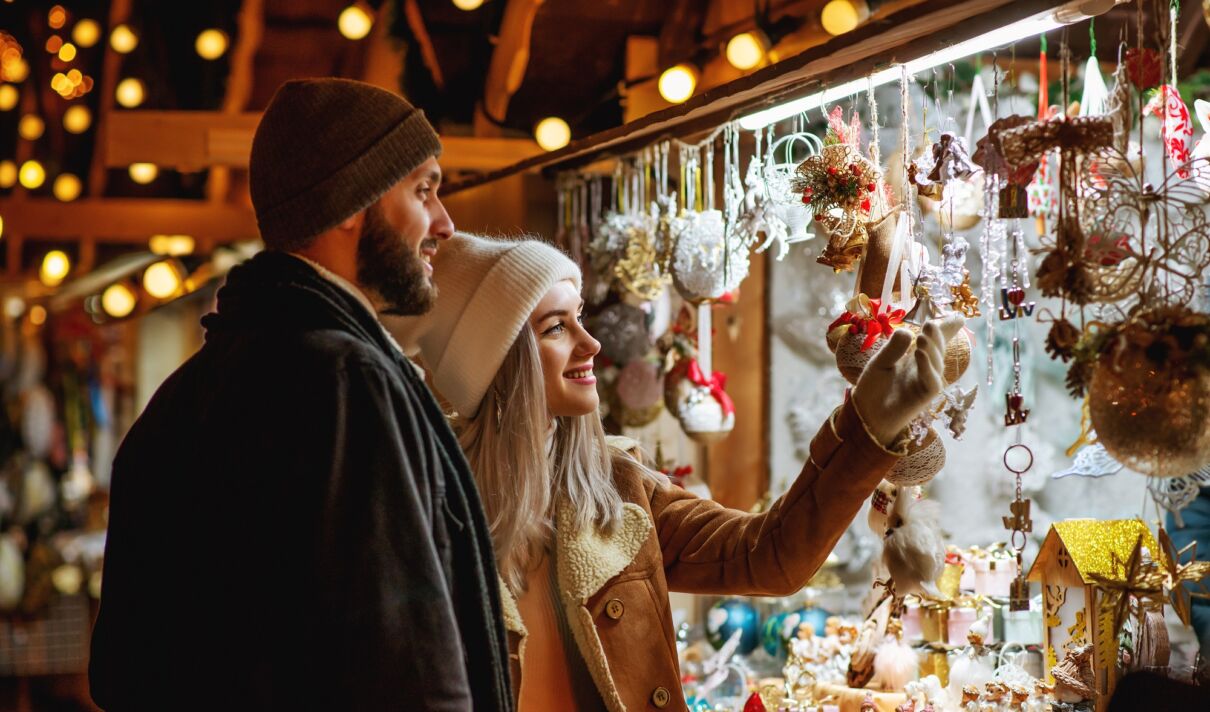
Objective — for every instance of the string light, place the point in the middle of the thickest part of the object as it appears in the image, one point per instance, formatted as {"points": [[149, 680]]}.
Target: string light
{"points": [[31, 127], [747, 50], [468, 5], [37, 315], [55, 266], [123, 39], [8, 97], [552, 133], [67, 187], [171, 245], [77, 119], [67, 52], [54, 43], [677, 83], [8, 174], [16, 70], [118, 300], [354, 22], [211, 43], [143, 173], [162, 279], [130, 92], [32, 175], [841, 16], [86, 33], [56, 17]]}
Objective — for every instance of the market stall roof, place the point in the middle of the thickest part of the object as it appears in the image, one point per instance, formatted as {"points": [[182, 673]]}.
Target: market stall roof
{"points": [[905, 36]]}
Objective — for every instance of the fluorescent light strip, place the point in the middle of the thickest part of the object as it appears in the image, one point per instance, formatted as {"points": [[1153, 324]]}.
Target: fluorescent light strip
{"points": [[1022, 29]]}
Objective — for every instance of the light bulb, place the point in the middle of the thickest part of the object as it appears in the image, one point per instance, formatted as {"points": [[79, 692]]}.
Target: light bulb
{"points": [[67, 187], [118, 300], [56, 17], [16, 71], [143, 173], [552, 133], [129, 92], [67, 52], [841, 16], [677, 83], [171, 245], [354, 22], [123, 39], [37, 315], [31, 127], [55, 266], [86, 33], [211, 44], [77, 118], [8, 97], [468, 5], [8, 174], [161, 280], [747, 50], [32, 175]]}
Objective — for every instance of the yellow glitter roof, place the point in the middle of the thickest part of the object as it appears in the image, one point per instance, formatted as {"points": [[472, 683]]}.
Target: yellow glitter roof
{"points": [[1091, 543]]}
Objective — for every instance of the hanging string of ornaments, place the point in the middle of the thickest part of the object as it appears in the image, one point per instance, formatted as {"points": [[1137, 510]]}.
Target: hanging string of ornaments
{"points": [[1125, 256]]}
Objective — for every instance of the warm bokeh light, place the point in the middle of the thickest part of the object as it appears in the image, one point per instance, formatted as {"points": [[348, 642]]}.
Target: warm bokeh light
{"points": [[8, 97], [32, 175], [171, 245], [56, 17], [86, 33], [67, 187], [31, 127], [746, 50], [55, 266], [53, 44], [67, 52], [37, 315], [841, 16], [355, 22], [14, 306], [118, 300], [77, 118], [129, 92], [468, 5], [8, 174], [162, 279], [16, 70], [1, 226], [677, 83], [123, 39], [211, 44], [552, 133], [143, 173]]}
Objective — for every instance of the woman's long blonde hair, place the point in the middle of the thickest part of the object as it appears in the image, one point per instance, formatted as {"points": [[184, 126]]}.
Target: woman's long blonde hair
{"points": [[522, 468]]}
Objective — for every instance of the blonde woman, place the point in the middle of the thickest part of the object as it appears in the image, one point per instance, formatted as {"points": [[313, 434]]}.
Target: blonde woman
{"points": [[589, 541]]}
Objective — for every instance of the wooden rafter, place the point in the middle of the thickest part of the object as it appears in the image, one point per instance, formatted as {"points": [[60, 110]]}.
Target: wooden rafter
{"points": [[428, 54], [251, 22], [510, 58], [128, 220]]}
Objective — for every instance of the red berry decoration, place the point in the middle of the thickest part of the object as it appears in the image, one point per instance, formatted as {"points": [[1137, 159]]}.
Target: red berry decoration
{"points": [[870, 188], [831, 170], [1144, 68], [806, 198], [755, 704], [865, 205], [818, 216], [854, 169]]}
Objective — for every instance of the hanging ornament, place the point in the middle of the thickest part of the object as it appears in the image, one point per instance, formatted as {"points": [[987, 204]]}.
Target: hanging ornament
{"points": [[1091, 461], [1042, 201], [784, 214], [1018, 459], [639, 391], [1177, 129], [622, 331]]}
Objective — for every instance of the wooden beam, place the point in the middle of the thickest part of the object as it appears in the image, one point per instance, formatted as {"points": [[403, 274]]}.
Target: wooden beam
{"points": [[428, 54], [909, 34], [111, 64], [680, 31], [127, 220], [510, 58], [192, 140], [384, 55], [251, 20]]}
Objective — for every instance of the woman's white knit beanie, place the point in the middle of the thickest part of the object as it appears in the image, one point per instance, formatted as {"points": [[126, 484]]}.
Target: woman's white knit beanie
{"points": [[486, 290]]}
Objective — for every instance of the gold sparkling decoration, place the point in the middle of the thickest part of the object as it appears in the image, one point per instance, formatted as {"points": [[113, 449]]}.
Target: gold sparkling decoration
{"points": [[1135, 578], [1151, 419], [1177, 574], [964, 300], [638, 271], [1094, 544]]}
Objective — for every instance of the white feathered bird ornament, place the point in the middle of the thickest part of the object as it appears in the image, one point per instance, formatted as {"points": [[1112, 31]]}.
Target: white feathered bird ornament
{"points": [[913, 549]]}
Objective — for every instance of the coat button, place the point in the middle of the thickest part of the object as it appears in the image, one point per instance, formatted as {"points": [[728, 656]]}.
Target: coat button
{"points": [[660, 697], [614, 608]]}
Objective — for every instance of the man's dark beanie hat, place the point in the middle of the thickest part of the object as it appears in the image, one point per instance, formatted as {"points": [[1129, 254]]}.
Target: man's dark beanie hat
{"points": [[328, 148]]}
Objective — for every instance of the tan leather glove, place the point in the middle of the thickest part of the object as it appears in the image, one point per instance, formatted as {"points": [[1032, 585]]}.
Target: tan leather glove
{"points": [[893, 390]]}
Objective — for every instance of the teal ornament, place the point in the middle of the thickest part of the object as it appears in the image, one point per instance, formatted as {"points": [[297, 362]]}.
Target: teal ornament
{"points": [[791, 620], [698, 704], [730, 615], [770, 633]]}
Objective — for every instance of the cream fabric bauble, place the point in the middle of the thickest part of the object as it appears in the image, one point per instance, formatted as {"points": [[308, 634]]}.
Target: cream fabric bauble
{"points": [[921, 463]]}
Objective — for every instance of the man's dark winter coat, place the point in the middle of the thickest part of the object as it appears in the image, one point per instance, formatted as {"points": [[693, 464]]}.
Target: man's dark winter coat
{"points": [[293, 525]]}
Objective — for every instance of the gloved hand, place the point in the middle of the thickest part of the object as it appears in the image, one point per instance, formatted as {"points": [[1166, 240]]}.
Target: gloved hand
{"points": [[892, 390]]}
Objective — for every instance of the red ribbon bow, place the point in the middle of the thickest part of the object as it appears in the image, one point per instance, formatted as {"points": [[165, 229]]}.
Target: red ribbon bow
{"points": [[881, 324], [716, 383]]}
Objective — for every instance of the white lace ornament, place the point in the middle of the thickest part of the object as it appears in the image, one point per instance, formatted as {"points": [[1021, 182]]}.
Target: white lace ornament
{"points": [[703, 268]]}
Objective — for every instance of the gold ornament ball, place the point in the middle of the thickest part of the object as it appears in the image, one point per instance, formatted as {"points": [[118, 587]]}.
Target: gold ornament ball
{"points": [[957, 356], [1154, 421], [921, 463]]}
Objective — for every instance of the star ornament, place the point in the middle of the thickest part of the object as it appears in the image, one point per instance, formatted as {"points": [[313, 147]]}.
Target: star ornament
{"points": [[1177, 574], [1137, 578]]}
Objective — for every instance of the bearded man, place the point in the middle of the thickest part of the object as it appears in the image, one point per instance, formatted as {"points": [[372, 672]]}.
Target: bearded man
{"points": [[292, 523]]}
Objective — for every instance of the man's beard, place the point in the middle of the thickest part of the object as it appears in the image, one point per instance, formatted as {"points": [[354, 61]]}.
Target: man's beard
{"points": [[389, 268]]}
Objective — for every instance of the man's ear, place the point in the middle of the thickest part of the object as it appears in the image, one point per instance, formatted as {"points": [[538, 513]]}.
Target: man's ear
{"points": [[353, 222]]}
